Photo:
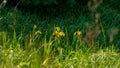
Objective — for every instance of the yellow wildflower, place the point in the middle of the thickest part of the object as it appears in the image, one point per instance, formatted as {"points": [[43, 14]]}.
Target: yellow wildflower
{"points": [[57, 29], [61, 34], [34, 26], [55, 33], [78, 33], [38, 32]]}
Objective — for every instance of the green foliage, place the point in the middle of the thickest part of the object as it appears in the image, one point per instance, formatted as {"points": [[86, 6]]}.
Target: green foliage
{"points": [[25, 46], [39, 2], [23, 3], [47, 2], [114, 4], [46, 55]]}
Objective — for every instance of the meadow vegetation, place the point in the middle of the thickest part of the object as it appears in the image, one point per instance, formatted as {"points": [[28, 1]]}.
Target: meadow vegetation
{"points": [[70, 37]]}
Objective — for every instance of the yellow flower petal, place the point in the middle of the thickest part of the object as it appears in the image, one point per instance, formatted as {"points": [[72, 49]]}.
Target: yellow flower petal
{"points": [[61, 33], [56, 33], [57, 29], [79, 33]]}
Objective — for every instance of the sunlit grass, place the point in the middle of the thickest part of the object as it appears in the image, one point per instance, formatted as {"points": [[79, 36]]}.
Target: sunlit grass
{"points": [[52, 52]]}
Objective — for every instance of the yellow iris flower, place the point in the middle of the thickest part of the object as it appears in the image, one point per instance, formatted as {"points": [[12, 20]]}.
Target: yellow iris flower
{"points": [[57, 29], [57, 32], [78, 33], [61, 34]]}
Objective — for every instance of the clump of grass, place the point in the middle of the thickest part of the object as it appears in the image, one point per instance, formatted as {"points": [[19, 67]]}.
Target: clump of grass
{"points": [[50, 52]]}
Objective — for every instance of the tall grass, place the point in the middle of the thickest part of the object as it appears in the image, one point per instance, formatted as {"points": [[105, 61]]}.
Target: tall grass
{"points": [[52, 53], [38, 43]]}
